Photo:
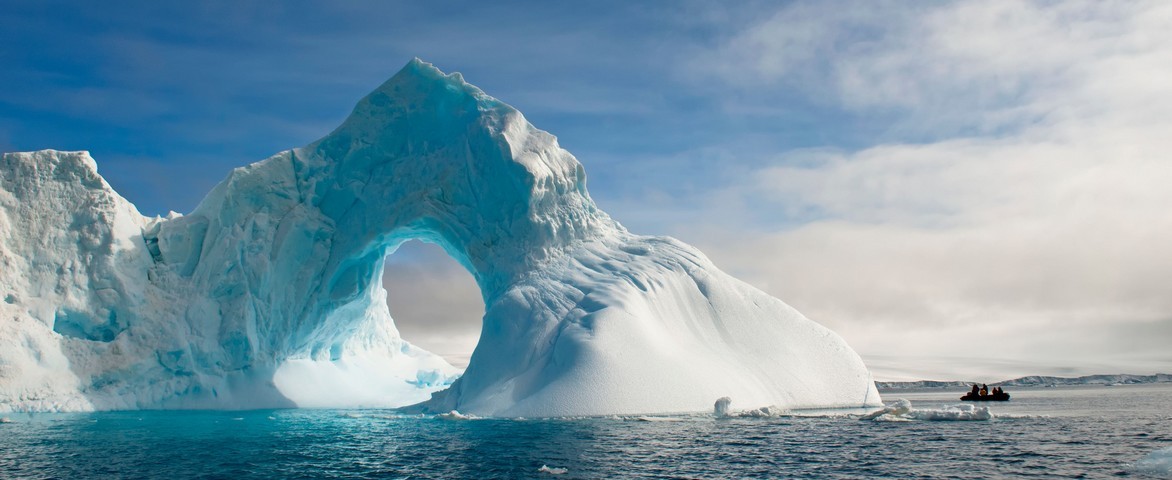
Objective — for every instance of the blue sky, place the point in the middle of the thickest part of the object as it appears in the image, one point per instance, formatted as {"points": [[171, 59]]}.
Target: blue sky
{"points": [[200, 88], [934, 181]]}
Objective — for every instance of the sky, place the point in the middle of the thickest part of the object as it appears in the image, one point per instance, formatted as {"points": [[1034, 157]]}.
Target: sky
{"points": [[961, 189]]}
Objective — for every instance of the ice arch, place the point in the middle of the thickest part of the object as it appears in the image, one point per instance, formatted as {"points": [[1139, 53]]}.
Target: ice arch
{"points": [[273, 282]]}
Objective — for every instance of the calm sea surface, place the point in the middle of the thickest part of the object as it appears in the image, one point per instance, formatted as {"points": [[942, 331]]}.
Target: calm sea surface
{"points": [[1085, 432]]}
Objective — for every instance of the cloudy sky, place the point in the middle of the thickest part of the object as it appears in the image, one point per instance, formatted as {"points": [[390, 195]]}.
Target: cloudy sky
{"points": [[973, 190]]}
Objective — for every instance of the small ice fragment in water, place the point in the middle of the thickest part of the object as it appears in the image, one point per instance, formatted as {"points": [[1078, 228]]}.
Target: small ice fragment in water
{"points": [[954, 412], [763, 412], [657, 419], [5, 420], [898, 408], [902, 410], [720, 409], [455, 415], [1157, 463], [552, 471]]}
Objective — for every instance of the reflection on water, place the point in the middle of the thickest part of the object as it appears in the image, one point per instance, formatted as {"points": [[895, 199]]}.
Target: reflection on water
{"points": [[1063, 432]]}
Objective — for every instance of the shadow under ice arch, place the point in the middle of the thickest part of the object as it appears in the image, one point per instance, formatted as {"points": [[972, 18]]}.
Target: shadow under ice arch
{"points": [[280, 264]]}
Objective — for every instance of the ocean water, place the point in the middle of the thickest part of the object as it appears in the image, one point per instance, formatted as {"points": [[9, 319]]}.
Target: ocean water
{"points": [[1085, 432]]}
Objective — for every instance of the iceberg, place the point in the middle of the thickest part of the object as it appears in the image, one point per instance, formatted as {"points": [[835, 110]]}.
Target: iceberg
{"points": [[268, 294]]}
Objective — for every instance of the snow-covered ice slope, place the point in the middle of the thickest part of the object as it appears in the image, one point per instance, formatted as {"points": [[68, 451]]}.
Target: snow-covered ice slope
{"points": [[268, 294]]}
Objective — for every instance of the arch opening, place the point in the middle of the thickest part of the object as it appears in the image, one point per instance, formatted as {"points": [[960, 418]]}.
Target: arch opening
{"points": [[434, 301], [383, 349]]}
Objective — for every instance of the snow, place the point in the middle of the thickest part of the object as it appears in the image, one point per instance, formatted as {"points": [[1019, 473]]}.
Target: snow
{"points": [[268, 293]]}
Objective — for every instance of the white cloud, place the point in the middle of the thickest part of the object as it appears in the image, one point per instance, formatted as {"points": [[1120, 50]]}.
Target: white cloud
{"points": [[1036, 228], [1015, 62]]}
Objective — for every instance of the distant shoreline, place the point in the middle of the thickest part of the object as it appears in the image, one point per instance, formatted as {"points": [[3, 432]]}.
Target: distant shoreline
{"points": [[1035, 381]]}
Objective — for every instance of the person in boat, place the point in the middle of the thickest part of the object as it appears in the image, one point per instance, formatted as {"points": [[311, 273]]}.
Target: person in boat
{"points": [[975, 391], [984, 390]]}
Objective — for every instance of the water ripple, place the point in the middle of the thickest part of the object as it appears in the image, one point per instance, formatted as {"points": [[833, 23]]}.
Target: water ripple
{"points": [[1066, 435]]}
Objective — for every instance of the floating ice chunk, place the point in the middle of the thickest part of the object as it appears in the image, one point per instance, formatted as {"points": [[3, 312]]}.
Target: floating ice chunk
{"points": [[954, 413], [5, 420], [645, 418], [902, 410], [721, 410], [721, 407], [763, 412], [898, 408], [455, 415], [1157, 463], [552, 470]]}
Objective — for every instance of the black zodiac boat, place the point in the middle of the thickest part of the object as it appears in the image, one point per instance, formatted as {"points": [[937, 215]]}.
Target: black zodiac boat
{"points": [[995, 397]]}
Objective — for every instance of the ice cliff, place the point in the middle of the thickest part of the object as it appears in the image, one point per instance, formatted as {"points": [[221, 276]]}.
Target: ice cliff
{"points": [[268, 294]]}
